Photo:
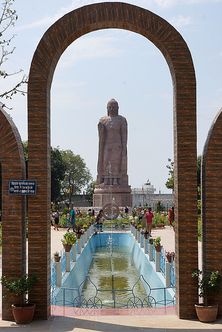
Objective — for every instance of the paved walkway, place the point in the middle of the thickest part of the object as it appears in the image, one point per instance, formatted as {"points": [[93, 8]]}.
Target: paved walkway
{"points": [[166, 234], [121, 323], [135, 320]]}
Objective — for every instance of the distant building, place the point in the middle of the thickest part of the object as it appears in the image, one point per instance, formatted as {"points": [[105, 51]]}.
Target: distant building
{"points": [[146, 196]]}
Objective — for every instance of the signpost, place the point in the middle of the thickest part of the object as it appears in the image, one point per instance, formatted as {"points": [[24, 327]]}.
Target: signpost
{"points": [[22, 187]]}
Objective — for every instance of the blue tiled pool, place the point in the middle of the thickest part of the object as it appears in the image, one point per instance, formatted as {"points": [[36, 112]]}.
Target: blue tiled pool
{"points": [[88, 282]]}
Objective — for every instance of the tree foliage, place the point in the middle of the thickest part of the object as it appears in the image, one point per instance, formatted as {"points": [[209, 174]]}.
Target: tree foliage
{"points": [[199, 160], [25, 149], [58, 169], [90, 191], [170, 181], [8, 17], [69, 174], [77, 175]]}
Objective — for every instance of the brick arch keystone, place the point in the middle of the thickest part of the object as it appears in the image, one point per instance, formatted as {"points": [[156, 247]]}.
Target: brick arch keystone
{"points": [[212, 200], [53, 43], [13, 213]]}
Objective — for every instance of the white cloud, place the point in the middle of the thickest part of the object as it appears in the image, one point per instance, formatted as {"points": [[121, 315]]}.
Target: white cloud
{"points": [[45, 21], [48, 20], [201, 1], [166, 3], [90, 47], [181, 21], [171, 3]]}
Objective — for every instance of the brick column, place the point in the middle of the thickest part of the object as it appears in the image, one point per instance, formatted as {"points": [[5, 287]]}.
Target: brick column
{"points": [[212, 201], [13, 212]]}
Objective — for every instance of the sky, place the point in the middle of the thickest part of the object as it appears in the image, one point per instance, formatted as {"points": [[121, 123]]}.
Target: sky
{"points": [[120, 64]]}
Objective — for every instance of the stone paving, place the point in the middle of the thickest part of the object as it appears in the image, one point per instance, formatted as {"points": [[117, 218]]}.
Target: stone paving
{"points": [[166, 234], [135, 320]]}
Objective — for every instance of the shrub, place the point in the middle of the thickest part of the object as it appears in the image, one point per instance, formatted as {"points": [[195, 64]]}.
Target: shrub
{"points": [[208, 282], [19, 286], [69, 238]]}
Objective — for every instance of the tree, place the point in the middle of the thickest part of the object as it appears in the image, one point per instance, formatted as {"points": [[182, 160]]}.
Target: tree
{"points": [[8, 17], [170, 181], [199, 159], [90, 190], [77, 175], [25, 149], [69, 174], [159, 207], [58, 169]]}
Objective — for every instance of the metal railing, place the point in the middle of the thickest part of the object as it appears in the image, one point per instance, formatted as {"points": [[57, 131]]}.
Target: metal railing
{"points": [[114, 298]]}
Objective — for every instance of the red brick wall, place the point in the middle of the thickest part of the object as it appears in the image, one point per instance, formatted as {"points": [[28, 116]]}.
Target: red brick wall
{"points": [[57, 38], [212, 201], [13, 218]]}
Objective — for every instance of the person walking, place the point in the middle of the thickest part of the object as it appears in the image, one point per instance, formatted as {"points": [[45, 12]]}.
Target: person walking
{"points": [[72, 219], [56, 220], [149, 219], [171, 215], [99, 221]]}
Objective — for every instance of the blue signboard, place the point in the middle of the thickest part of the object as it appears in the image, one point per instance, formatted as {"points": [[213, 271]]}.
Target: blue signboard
{"points": [[22, 187]]}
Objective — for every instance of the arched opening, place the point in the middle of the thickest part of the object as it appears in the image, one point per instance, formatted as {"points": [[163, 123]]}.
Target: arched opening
{"points": [[13, 213], [171, 44], [105, 64], [211, 199]]}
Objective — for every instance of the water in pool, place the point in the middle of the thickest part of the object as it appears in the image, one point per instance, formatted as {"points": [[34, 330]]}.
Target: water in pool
{"points": [[115, 277]]}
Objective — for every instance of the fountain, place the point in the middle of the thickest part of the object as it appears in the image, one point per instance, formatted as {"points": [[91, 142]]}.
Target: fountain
{"points": [[113, 272]]}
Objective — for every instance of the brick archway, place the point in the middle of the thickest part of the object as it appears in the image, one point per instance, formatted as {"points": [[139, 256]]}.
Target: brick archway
{"points": [[13, 213], [56, 39], [212, 200]]}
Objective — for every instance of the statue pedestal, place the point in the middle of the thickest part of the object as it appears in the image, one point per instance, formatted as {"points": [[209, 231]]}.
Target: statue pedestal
{"points": [[119, 195]]}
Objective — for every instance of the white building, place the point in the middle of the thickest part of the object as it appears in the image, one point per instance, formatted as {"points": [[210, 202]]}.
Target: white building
{"points": [[146, 196]]}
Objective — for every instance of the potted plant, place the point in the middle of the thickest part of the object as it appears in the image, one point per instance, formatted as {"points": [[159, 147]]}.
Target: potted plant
{"points": [[57, 257], [22, 311], [208, 283], [68, 240], [170, 256], [85, 226], [151, 240], [157, 243]]}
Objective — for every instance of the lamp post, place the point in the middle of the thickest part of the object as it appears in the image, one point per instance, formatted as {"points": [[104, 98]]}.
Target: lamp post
{"points": [[147, 183]]}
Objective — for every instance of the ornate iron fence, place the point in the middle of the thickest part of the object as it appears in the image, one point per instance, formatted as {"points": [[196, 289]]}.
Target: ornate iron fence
{"points": [[124, 298]]}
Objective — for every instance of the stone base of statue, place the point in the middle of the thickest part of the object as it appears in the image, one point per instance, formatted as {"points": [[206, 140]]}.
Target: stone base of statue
{"points": [[118, 195]]}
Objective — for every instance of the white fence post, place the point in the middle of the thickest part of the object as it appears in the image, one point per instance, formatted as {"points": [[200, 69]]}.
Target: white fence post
{"points": [[151, 252], [58, 274], [142, 240], [146, 246], [157, 261], [167, 269], [79, 246], [67, 261], [74, 252]]}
